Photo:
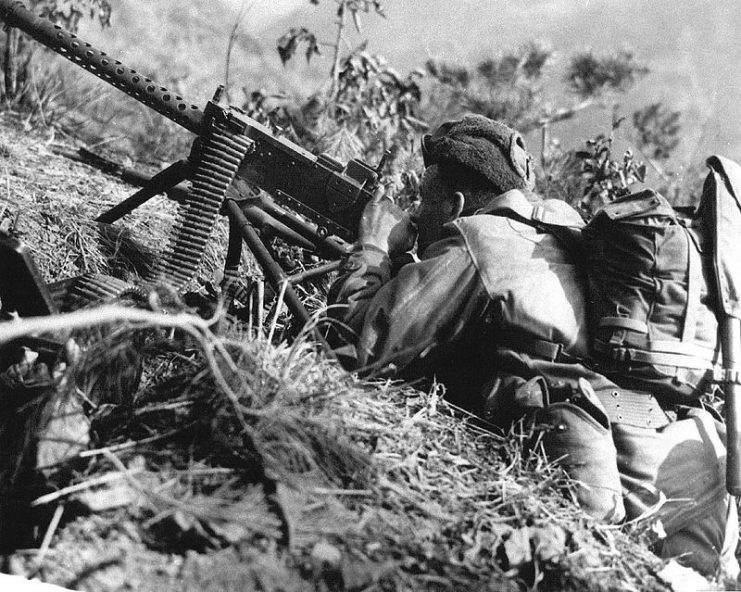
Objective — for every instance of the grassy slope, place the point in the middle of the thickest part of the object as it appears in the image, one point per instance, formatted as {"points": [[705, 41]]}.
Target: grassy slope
{"points": [[380, 487], [377, 487]]}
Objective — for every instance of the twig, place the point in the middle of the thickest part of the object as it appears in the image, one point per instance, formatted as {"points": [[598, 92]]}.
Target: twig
{"points": [[127, 445], [198, 328], [260, 306], [278, 307], [46, 543], [99, 316], [243, 10], [52, 497], [351, 492], [335, 74]]}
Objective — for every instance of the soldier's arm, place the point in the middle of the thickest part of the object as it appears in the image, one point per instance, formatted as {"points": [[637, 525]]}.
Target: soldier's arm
{"points": [[395, 323]]}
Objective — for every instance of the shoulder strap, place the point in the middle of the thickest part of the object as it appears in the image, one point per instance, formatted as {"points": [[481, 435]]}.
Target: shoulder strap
{"points": [[544, 213], [550, 215]]}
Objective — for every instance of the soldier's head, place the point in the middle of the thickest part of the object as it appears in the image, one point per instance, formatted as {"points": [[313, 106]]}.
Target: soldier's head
{"points": [[467, 163]]}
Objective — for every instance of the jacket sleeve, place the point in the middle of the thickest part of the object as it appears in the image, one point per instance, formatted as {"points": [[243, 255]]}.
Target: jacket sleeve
{"points": [[394, 324]]}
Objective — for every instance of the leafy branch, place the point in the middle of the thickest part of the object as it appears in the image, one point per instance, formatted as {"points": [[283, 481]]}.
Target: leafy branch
{"points": [[297, 37], [607, 178]]}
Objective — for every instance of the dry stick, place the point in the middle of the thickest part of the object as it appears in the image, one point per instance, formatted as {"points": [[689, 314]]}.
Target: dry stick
{"points": [[46, 543], [260, 305], [99, 316], [52, 497], [251, 311], [350, 492], [278, 307], [127, 445], [302, 336], [39, 101], [338, 41]]}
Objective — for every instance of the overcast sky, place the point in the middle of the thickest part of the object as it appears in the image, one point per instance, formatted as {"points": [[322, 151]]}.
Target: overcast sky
{"points": [[691, 47], [262, 13]]}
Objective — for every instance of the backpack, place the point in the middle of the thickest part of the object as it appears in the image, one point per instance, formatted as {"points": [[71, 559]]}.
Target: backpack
{"points": [[524, 254], [654, 278]]}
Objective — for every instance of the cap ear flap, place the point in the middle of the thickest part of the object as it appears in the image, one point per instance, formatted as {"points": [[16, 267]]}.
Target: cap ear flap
{"points": [[520, 159]]}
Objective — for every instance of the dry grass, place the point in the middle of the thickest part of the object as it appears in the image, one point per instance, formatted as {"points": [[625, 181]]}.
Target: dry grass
{"points": [[241, 464]]}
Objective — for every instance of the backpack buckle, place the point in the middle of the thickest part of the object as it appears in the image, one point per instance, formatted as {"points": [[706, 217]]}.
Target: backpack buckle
{"points": [[727, 375]]}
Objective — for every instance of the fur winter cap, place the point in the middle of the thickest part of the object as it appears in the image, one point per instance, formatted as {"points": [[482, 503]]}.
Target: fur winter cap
{"points": [[490, 148]]}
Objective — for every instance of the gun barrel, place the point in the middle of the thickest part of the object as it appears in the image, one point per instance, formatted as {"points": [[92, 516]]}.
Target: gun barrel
{"points": [[15, 14]]}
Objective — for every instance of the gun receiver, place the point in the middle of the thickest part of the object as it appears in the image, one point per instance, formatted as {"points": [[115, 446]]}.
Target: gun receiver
{"points": [[229, 146], [329, 193]]}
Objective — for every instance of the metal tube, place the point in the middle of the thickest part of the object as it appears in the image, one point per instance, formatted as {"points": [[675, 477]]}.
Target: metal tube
{"points": [[327, 246], [68, 45], [273, 272], [264, 221], [314, 272], [160, 183]]}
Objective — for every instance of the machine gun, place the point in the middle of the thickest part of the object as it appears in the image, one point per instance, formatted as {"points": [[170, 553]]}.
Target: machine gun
{"points": [[230, 148]]}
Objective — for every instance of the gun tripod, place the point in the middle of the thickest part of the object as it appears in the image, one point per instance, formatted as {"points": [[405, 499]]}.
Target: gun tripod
{"points": [[250, 219]]}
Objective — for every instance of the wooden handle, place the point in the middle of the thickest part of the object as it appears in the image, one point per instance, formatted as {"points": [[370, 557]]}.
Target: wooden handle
{"points": [[731, 342]]}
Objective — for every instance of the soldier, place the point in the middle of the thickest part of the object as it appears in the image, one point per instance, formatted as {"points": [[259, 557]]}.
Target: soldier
{"points": [[496, 309]]}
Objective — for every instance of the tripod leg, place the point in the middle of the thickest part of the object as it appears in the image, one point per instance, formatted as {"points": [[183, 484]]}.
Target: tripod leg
{"points": [[273, 272], [161, 182], [231, 264]]}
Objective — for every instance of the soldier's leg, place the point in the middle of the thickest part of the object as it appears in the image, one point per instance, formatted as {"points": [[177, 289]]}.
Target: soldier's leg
{"points": [[576, 434], [680, 471]]}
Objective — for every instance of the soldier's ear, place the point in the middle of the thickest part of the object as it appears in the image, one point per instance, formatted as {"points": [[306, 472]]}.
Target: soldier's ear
{"points": [[458, 203]]}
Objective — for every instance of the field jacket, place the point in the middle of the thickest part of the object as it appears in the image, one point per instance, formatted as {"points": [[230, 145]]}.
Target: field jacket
{"points": [[494, 280]]}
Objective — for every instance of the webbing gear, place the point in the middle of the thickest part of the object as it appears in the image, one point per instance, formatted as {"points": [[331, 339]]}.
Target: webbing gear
{"points": [[538, 305], [636, 408], [662, 353], [650, 281], [618, 405], [549, 351], [514, 204]]}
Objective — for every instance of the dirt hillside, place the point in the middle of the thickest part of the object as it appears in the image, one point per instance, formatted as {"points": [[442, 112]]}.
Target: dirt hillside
{"points": [[241, 464]]}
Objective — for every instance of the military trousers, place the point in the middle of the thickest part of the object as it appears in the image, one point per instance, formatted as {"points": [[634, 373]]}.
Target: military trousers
{"points": [[677, 472]]}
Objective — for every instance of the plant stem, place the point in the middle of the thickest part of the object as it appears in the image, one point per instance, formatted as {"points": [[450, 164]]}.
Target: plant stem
{"points": [[335, 74], [243, 9], [9, 64]]}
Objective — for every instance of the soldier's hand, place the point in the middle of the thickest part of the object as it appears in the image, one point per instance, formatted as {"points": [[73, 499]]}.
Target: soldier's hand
{"points": [[386, 226]]}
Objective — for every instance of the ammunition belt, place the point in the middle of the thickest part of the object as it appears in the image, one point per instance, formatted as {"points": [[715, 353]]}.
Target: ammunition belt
{"points": [[220, 155], [91, 288]]}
